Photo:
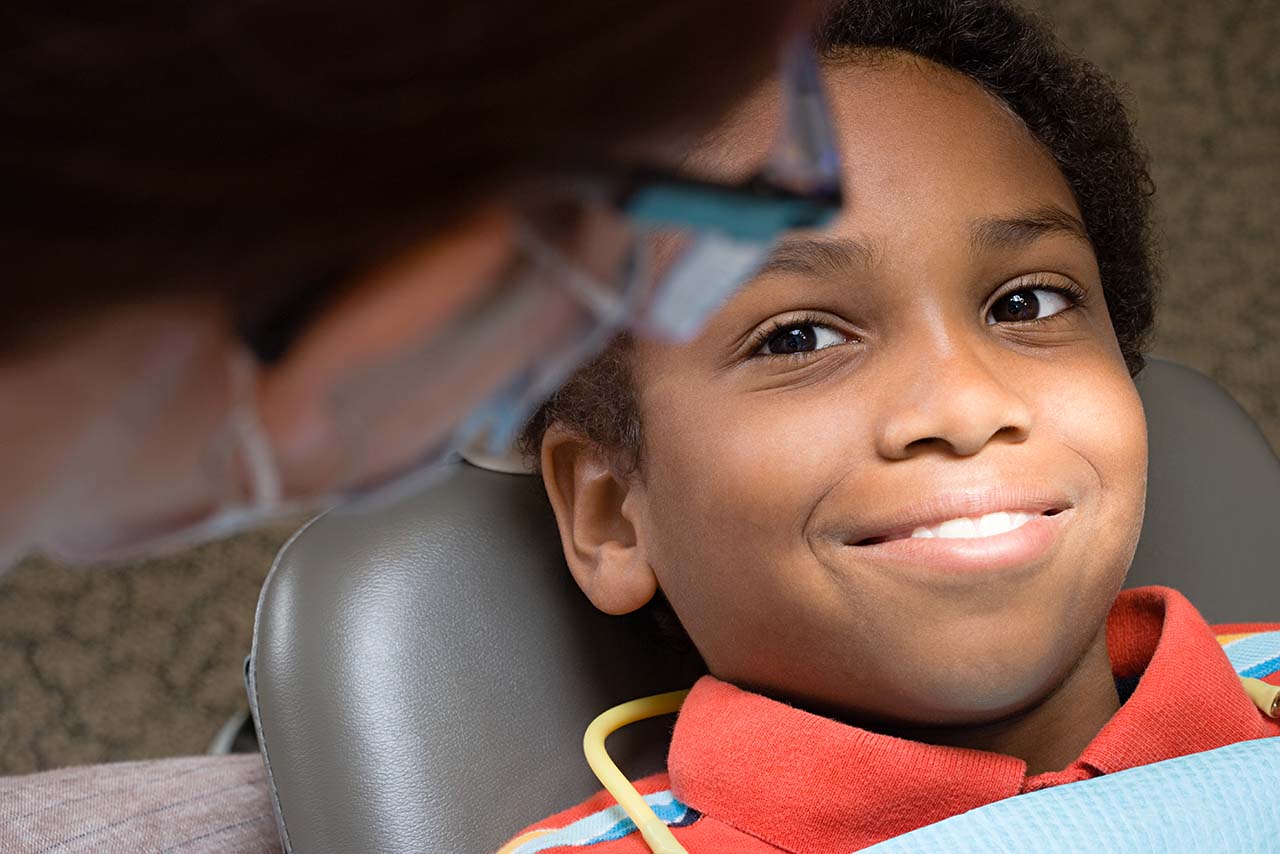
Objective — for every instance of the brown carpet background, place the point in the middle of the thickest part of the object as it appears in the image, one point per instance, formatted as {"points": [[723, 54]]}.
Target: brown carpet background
{"points": [[144, 661]]}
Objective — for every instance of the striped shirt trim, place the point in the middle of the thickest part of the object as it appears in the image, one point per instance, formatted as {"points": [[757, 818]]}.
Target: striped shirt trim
{"points": [[1254, 655], [603, 826]]}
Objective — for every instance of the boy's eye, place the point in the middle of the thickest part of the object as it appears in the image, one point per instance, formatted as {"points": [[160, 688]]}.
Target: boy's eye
{"points": [[1029, 304], [803, 337]]}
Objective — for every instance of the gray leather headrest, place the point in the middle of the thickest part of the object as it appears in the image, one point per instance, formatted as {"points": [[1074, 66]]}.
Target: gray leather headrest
{"points": [[421, 677], [1212, 528]]}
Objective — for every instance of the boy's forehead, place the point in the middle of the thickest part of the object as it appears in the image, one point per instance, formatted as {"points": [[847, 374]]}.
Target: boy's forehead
{"points": [[902, 123], [916, 120]]}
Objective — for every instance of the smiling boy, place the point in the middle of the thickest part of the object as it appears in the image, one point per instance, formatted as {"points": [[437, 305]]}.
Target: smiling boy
{"points": [[892, 490]]}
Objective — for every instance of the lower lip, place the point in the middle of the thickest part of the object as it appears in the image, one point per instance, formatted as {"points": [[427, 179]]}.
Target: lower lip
{"points": [[978, 556]]}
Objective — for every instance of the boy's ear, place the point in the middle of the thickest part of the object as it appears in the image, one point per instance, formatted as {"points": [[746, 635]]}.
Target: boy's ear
{"points": [[600, 529]]}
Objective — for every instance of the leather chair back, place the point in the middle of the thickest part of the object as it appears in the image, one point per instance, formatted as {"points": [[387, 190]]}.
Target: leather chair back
{"points": [[421, 677]]}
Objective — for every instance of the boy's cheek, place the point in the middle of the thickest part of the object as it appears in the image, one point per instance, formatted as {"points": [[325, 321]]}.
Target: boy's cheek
{"points": [[730, 492], [1099, 416], [745, 486]]}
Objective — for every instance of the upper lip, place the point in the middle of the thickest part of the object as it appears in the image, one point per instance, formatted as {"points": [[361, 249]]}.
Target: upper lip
{"points": [[971, 502]]}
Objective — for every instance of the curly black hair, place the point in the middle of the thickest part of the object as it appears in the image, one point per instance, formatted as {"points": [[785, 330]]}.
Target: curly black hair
{"points": [[1073, 109]]}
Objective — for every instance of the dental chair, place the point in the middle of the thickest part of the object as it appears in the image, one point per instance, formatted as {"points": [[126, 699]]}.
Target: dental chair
{"points": [[421, 677]]}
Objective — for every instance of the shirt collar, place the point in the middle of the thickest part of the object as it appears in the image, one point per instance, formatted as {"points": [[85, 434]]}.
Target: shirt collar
{"points": [[1188, 699], [806, 783]]}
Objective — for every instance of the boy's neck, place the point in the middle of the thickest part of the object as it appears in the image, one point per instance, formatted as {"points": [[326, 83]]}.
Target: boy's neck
{"points": [[1052, 734]]}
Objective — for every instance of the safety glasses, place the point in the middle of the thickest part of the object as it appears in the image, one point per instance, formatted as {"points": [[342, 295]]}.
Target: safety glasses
{"points": [[600, 252], [642, 250]]}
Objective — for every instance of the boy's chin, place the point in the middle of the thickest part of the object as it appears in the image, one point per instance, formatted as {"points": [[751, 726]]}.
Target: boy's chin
{"points": [[933, 704], [913, 694], [968, 688], [978, 701], [972, 692]]}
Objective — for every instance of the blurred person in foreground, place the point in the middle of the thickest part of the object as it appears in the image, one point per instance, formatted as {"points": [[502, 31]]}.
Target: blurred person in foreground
{"points": [[264, 257]]}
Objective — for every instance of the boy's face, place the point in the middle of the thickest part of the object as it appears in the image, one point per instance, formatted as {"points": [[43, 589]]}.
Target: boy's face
{"points": [[943, 352]]}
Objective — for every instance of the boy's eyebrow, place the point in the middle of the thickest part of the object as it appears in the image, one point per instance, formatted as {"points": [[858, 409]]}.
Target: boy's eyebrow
{"points": [[819, 255], [1022, 229], [812, 256]]}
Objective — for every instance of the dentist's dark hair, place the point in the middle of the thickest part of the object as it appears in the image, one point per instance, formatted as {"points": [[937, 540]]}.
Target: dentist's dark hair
{"points": [[266, 150], [1073, 109]]}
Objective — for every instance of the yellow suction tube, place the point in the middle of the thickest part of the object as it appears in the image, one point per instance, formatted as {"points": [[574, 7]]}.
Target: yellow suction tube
{"points": [[1265, 697], [654, 830]]}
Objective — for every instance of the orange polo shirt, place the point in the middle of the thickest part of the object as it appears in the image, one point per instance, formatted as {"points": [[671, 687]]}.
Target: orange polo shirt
{"points": [[749, 774]]}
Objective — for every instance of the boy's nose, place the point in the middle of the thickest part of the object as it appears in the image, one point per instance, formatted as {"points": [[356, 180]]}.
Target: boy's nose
{"points": [[956, 402]]}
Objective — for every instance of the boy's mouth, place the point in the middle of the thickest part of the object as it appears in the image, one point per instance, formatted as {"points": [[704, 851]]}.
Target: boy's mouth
{"points": [[964, 527], [957, 536]]}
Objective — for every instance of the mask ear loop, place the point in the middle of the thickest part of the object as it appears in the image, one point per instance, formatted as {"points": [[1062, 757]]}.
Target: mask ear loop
{"points": [[248, 436]]}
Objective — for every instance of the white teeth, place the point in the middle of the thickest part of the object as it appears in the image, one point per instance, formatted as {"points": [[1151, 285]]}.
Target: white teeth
{"points": [[957, 529], [989, 525], [994, 523]]}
